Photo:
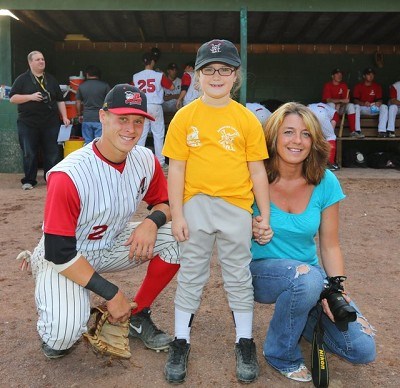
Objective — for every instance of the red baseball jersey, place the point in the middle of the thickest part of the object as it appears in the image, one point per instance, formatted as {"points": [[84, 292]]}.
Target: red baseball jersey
{"points": [[394, 90], [334, 91], [367, 93]]}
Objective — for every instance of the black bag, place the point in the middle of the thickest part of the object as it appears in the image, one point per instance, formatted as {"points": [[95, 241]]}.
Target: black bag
{"points": [[383, 160], [352, 157]]}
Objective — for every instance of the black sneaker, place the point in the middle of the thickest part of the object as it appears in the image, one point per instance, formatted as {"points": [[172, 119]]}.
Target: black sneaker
{"points": [[391, 134], [176, 367], [247, 367], [333, 167], [382, 134], [141, 326], [52, 353], [357, 135]]}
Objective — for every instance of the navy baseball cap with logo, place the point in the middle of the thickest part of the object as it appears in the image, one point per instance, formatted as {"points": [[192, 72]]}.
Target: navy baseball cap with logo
{"points": [[217, 50], [335, 71], [125, 99], [172, 66], [368, 70]]}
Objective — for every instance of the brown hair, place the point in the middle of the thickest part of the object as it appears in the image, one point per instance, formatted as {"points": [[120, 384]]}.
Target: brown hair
{"points": [[315, 163]]}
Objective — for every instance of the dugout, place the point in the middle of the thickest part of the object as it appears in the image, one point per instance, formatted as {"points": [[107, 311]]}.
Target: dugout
{"points": [[288, 48]]}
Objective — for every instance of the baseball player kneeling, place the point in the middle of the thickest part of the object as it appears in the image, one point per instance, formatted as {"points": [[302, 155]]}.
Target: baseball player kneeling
{"points": [[92, 195]]}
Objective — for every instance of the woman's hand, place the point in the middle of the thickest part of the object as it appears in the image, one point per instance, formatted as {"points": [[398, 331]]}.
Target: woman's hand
{"points": [[327, 310], [262, 232]]}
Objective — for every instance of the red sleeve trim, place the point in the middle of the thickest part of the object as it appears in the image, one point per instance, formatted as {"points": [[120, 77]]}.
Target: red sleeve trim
{"points": [[62, 206], [186, 80], [166, 82], [158, 191]]}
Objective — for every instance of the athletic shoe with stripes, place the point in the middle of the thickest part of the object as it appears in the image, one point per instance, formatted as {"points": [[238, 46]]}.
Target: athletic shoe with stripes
{"points": [[141, 326]]}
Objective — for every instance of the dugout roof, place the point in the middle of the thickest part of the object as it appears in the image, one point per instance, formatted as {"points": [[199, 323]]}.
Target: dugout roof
{"points": [[268, 22]]}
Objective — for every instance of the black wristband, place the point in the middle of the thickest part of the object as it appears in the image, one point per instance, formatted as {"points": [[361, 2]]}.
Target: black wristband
{"points": [[158, 217], [101, 286]]}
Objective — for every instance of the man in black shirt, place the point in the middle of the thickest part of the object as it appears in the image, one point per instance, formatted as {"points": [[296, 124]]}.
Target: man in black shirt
{"points": [[89, 100], [40, 105]]}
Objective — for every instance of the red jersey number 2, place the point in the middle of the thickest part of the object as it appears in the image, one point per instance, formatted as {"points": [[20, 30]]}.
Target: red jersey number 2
{"points": [[98, 232], [147, 85]]}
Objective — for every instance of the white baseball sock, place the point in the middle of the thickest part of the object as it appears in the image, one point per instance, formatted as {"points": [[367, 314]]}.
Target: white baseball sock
{"points": [[183, 324], [243, 324]]}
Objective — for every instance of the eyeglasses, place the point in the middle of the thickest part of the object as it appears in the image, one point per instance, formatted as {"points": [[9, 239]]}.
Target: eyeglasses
{"points": [[223, 71]]}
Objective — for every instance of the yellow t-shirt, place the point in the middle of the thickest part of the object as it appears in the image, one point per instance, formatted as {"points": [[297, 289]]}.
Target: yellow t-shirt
{"points": [[217, 143]]}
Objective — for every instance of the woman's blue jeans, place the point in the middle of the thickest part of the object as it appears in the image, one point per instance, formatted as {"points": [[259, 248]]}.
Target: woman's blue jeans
{"points": [[295, 288]]}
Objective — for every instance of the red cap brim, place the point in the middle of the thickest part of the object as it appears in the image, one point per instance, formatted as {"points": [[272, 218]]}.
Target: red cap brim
{"points": [[131, 111]]}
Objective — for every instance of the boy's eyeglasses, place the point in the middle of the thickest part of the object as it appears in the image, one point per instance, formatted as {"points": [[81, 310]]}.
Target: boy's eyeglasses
{"points": [[222, 71]]}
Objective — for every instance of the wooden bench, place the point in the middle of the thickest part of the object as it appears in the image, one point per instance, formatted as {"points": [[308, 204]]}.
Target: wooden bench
{"points": [[369, 127]]}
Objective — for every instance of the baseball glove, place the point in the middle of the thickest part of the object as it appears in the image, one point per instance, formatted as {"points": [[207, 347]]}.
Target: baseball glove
{"points": [[107, 338]]}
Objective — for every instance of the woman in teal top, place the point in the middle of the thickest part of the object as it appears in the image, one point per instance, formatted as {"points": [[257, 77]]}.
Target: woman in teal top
{"points": [[286, 271]]}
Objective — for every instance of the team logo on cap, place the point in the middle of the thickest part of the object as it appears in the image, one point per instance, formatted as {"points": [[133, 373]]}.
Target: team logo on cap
{"points": [[133, 98], [215, 48]]}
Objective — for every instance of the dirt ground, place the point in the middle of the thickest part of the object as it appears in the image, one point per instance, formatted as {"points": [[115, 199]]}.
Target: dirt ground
{"points": [[370, 224]]}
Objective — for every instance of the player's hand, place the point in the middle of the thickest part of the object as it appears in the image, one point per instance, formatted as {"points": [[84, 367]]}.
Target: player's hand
{"points": [[119, 308], [66, 121], [179, 104], [142, 241], [36, 97], [25, 261], [180, 229]]}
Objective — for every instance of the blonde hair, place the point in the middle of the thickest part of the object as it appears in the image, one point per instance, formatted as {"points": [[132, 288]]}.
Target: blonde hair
{"points": [[236, 85], [31, 54], [315, 163]]}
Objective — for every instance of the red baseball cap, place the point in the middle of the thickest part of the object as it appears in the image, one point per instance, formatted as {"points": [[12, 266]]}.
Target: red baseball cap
{"points": [[125, 99]]}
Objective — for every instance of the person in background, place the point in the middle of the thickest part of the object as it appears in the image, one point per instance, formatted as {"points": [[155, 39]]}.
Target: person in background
{"points": [[394, 104], [89, 100], [170, 96], [327, 117], [40, 105], [216, 150], [288, 271], [189, 87], [337, 95], [368, 101], [153, 83], [261, 112]]}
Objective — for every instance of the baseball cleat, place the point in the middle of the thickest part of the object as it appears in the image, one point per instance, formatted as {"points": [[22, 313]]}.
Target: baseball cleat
{"points": [[52, 353], [141, 326], [176, 367], [247, 367]]}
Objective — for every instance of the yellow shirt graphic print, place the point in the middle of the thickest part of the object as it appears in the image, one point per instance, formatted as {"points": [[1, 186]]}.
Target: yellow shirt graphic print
{"points": [[228, 135], [192, 139]]}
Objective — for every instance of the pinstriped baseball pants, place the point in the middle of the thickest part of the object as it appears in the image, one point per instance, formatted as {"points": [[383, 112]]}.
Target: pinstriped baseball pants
{"points": [[64, 306]]}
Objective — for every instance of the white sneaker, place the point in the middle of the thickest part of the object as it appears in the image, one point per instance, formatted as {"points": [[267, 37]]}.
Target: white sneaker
{"points": [[27, 186]]}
